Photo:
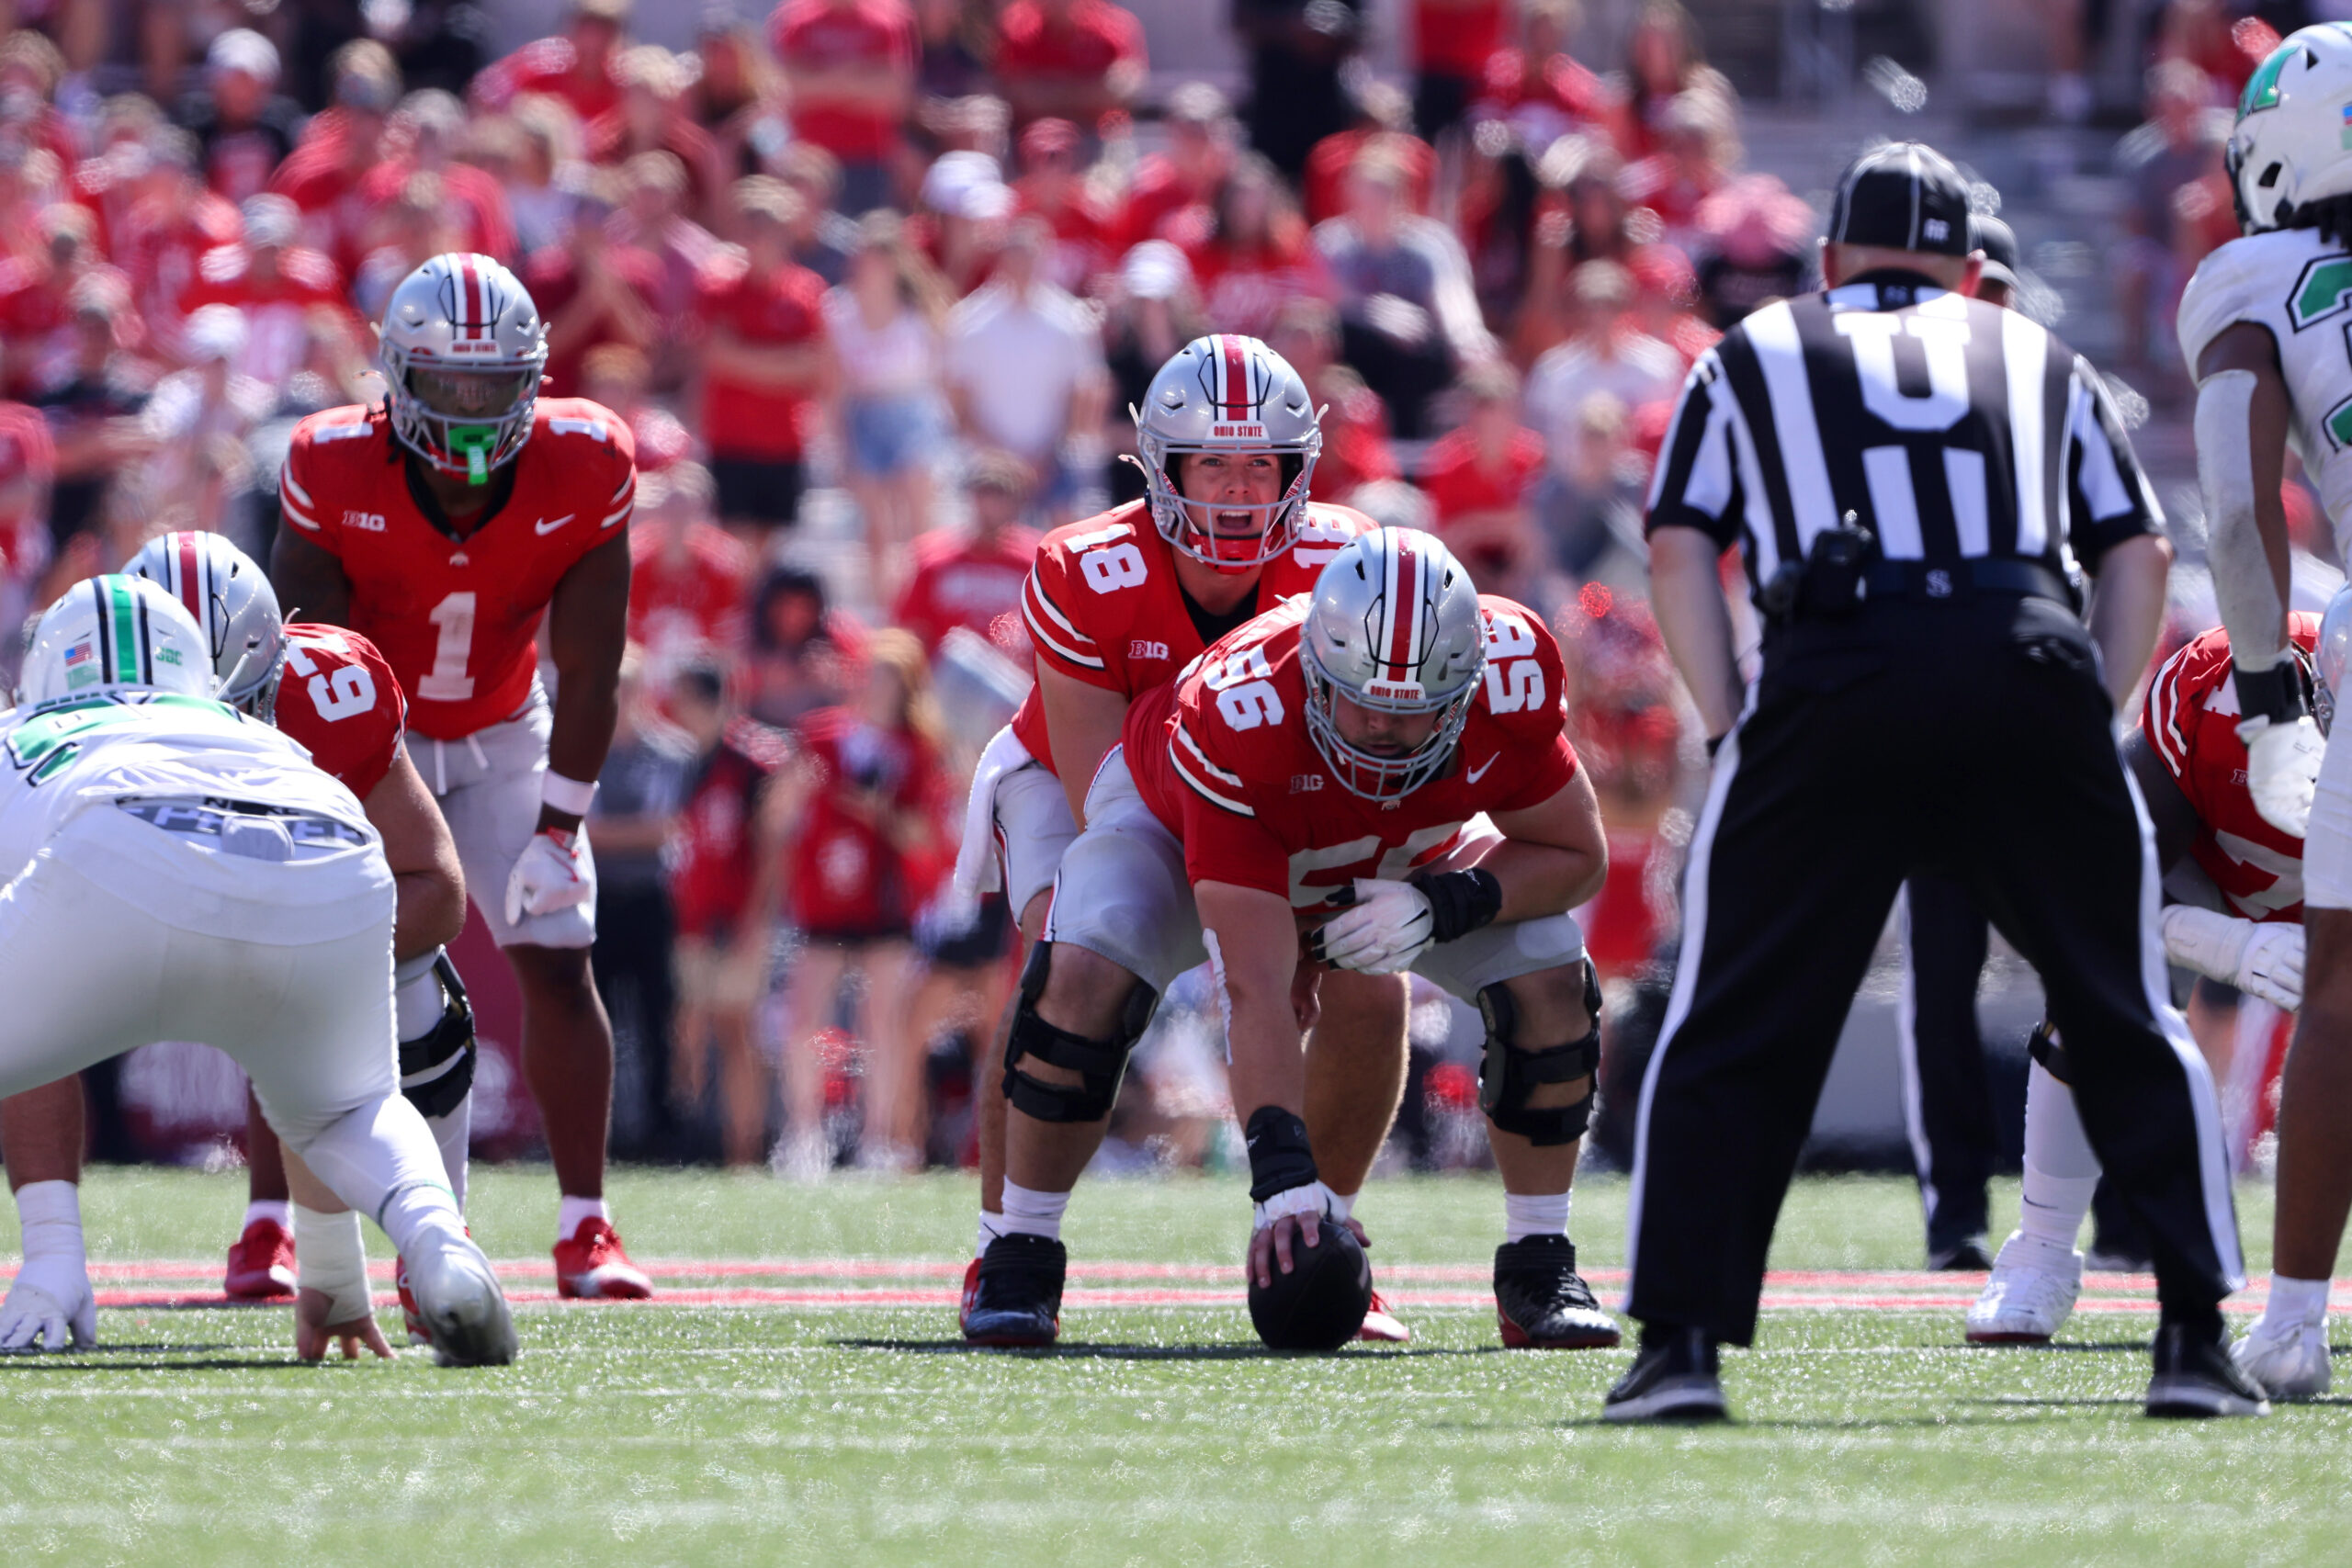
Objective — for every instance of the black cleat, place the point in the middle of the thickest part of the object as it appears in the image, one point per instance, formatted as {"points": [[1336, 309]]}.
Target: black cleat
{"points": [[1540, 1301], [1012, 1295], [2196, 1379], [1673, 1379], [1970, 1255]]}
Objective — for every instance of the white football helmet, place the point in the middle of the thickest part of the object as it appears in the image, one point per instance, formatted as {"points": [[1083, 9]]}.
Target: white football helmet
{"points": [[1395, 625], [2329, 656], [114, 634], [1227, 393], [2289, 148], [463, 350], [233, 604]]}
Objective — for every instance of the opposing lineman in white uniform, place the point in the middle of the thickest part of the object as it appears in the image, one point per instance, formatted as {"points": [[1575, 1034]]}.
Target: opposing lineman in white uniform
{"points": [[179, 871], [2264, 326]]}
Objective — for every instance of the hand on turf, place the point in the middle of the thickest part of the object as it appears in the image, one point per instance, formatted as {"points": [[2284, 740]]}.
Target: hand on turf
{"points": [[1383, 926], [49, 1307], [2282, 769], [556, 871], [313, 1336]]}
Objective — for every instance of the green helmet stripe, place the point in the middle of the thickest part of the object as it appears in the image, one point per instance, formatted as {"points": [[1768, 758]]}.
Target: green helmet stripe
{"points": [[130, 649], [2262, 87]]}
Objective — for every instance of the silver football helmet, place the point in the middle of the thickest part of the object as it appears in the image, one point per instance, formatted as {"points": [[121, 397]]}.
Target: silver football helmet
{"points": [[235, 607], [463, 350], [2330, 654], [114, 634], [1227, 393], [2287, 148], [1394, 626]]}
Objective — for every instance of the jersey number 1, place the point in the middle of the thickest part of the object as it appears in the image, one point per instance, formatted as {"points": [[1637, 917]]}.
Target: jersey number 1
{"points": [[448, 681]]}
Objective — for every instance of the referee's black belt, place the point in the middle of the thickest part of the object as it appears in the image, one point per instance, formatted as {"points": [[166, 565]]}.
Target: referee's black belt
{"points": [[1965, 578]]}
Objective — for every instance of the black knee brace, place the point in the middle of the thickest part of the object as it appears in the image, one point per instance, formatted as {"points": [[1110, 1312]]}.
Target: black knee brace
{"points": [[2043, 1047], [438, 1069], [1509, 1073], [1099, 1063]]}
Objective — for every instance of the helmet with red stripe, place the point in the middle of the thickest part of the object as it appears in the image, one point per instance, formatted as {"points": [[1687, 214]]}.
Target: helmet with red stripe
{"points": [[234, 606], [463, 351], [1394, 628], [1228, 394]]}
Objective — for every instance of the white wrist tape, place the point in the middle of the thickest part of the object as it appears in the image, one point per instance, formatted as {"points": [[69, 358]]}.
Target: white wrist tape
{"points": [[1312, 1199], [566, 795], [331, 1258]]}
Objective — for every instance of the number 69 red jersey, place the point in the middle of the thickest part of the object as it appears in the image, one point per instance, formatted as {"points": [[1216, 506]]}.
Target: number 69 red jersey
{"points": [[339, 702], [1222, 756], [458, 621]]}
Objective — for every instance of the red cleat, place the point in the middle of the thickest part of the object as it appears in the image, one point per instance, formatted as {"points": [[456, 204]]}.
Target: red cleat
{"points": [[260, 1264], [592, 1266], [418, 1334], [1381, 1326]]}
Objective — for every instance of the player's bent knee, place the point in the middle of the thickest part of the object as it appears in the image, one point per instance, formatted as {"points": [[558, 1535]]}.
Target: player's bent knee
{"points": [[1099, 1061], [1516, 1072]]}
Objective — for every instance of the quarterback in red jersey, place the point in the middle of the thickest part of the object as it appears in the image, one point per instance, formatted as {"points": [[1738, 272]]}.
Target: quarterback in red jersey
{"points": [[1116, 604], [1383, 767], [329, 690], [444, 524]]}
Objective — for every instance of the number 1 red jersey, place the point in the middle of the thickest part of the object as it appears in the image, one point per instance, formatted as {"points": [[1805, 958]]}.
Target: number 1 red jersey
{"points": [[458, 620], [1222, 756], [2191, 724], [1102, 605], [339, 702]]}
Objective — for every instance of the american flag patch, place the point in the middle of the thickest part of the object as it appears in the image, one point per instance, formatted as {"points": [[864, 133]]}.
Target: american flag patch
{"points": [[80, 653]]}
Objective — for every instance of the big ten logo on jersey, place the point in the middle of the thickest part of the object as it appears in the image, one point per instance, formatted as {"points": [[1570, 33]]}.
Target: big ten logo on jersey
{"points": [[594, 429], [1316, 875], [1319, 541], [1514, 678], [1244, 689], [1106, 564], [366, 522], [340, 692], [1143, 648]]}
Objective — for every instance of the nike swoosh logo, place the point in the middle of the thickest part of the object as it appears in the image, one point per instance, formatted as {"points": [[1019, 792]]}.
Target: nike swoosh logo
{"points": [[547, 525], [1480, 771]]}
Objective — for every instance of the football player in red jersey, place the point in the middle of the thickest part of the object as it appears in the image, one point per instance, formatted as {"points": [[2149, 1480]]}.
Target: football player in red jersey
{"points": [[1383, 767], [2239, 920], [1119, 603], [344, 708], [444, 524]]}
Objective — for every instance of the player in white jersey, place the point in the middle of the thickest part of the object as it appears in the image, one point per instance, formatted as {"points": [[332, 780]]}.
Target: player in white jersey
{"points": [[179, 871], [2263, 326]]}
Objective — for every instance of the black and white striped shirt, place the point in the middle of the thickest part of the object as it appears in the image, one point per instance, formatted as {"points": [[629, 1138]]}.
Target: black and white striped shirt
{"points": [[1951, 428]]}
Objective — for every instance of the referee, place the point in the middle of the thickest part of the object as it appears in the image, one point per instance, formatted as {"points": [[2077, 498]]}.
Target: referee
{"points": [[1913, 474]]}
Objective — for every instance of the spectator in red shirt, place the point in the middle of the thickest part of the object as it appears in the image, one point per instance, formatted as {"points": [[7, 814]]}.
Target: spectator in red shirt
{"points": [[1254, 255], [591, 291], [275, 284], [173, 222], [1383, 114], [417, 225], [652, 117], [1663, 62], [340, 146], [1355, 422], [1477, 477], [37, 293], [30, 69], [576, 67], [1053, 185], [850, 65], [972, 578], [423, 138], [27, 469], [738, 91], [245, 125], [1698, 145], [1541, 90], [1450, 41], [652, 219], [764, 361], [1074, 60], [690, 581], [615, 375], [1202, 137]]}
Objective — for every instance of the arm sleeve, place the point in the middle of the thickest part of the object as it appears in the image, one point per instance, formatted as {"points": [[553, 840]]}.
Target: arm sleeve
{"points": [[1698, 481], [2110, 496]]}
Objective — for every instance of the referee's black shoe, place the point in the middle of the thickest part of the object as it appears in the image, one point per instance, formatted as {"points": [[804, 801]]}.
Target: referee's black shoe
{"points": [[1542, 1304], [1013, 1294], [1674, 1378], [2196, 1379]]}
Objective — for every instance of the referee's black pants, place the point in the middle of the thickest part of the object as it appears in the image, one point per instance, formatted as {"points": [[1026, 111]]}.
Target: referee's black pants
{"points": [[1970, 739], [1948, 1095]]}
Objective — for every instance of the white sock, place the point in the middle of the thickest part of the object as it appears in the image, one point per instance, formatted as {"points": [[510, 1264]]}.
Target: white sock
{"points": [[991, 1227], [275, 1209], [417, 1002], [1034, 1214], [2061, 1172], [454, 1133], [50, 1213], [573, 1212], [330, 1256], [2295, 1302], [1343, 1205], [1534, 1213], [382, 1161]]}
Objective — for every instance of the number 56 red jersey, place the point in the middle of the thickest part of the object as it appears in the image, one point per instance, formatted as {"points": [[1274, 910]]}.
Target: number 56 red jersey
{"points": [[1222, 756], [458, 620]]}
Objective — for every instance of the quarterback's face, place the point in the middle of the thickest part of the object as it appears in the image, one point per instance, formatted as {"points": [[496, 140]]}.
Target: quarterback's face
{"points": [[1379, 732], [1228, 493], [468, 394]]}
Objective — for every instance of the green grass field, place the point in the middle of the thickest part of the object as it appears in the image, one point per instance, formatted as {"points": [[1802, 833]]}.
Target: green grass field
{"points": [[863, 1432]]}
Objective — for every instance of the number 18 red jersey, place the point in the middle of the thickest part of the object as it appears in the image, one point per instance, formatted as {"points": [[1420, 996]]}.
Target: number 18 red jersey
{"points": [[458, 620]]}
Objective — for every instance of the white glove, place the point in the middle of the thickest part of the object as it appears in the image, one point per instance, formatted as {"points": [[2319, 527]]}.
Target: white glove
{"points": [[555, 872], [2281, 769], [2264, 960], [1384, 928], [1312, 1199], [49, 1307]]}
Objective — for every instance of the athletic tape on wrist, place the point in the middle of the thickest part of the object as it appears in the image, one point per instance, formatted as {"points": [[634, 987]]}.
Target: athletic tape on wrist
{"points": [[566, 795], [331, 1257]]}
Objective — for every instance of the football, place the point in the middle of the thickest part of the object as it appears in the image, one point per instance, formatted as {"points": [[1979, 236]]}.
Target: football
{"points": [[1320, 1303]]}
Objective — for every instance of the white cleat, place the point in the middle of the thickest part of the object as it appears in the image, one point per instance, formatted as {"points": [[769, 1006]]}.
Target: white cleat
{"points": [[49, 1307], [2031, 1292], [458, 1298], [2289, 1361]]}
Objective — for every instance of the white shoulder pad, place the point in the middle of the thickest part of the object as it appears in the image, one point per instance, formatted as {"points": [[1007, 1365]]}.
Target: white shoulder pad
{"points": [[2226, 290]]}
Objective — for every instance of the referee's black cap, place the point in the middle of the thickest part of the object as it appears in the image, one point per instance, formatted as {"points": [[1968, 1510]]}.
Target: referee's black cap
{"points": [[1999, 244], [1905, 195]]}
